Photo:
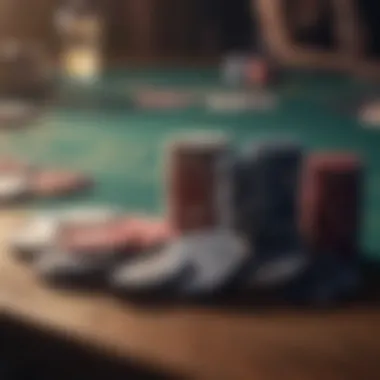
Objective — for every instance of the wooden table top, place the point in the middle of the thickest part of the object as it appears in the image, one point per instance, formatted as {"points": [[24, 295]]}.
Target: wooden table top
{"points": [[201, 343]]}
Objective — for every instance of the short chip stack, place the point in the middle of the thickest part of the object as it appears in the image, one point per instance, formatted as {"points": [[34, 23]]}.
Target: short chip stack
{"points": [[194, 183], [248, 70], [267, 191], [330, 203]]}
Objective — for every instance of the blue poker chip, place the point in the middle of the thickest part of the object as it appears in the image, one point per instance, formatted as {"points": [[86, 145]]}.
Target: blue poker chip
{"points": [[216, 257]]}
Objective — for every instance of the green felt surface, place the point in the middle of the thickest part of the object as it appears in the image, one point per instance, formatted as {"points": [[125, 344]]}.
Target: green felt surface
{"points": [[92, 128]]}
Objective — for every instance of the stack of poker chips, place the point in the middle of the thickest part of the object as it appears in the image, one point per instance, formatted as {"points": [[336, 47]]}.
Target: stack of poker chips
{"points": [[232, 223], [267, 181], [196, 172], [208, 252], [330, 212]]}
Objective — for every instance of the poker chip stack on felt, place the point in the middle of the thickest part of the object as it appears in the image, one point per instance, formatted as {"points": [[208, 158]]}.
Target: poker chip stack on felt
{"points": [[195, 177], [267, 178], [330, 213]]}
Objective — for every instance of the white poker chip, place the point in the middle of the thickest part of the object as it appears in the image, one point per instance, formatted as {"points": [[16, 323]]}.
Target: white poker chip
{"points": [[278, 271], [150, 272], [215, 256], [12, 187], [37, 235]]}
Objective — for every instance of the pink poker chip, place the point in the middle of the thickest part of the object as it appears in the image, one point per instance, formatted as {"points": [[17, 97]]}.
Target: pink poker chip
{"points": [[104, 238], [156, 233], [126, 235], [50, 183]]}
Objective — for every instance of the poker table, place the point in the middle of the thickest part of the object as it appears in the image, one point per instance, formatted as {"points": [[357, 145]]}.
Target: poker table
{"points": [[93, 127]]}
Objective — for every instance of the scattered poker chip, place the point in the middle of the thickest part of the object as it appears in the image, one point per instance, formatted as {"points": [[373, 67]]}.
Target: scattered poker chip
{"points": [[195, 265], [152, 234], [162, 99], [35, 236], [90, 251], [215, 257], [41, 231], [57, 183], [152, 273], [104, 238], [240, 101]]}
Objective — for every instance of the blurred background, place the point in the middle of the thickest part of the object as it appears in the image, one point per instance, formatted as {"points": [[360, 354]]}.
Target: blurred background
{"points": [[182, 28]]}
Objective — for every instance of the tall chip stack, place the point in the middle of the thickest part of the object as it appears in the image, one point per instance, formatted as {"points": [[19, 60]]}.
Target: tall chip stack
{"points": [[330, 212], [266, 195], [196, 170]]}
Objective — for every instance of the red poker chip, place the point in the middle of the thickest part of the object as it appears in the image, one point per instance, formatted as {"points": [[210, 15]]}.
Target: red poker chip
{"points": [[55, 183]]}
